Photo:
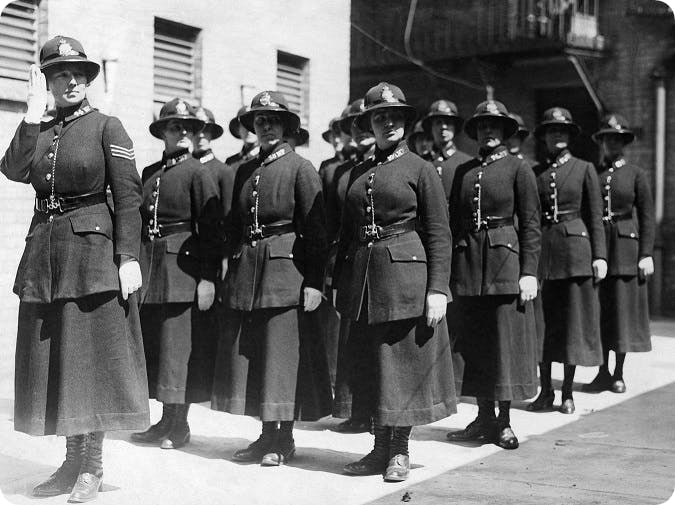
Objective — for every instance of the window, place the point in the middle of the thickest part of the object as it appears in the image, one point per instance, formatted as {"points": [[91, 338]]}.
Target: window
{"points": [[177, 62], [18, 39], [293, 82]]}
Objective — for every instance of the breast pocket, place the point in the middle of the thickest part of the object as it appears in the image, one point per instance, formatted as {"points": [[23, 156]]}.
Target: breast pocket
{"points": [[504, 237], [407, 252], [627, 229], [576, 228], [183, 249], [92, 225]]}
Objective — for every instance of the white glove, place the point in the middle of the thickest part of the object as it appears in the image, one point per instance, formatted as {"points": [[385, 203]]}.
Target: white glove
{"points": [[646, 266], [437, 304], [223, 268], [599, 269], [206, 293], [37, 95], [528, 288], [130, 278], [312, 298]]}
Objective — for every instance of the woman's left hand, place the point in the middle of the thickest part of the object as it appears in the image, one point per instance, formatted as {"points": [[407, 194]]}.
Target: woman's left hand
{"points": [[130, 278], [646, 267], [599, 269], [206, 294], [437, 304], [528, 288], [312, 298]]}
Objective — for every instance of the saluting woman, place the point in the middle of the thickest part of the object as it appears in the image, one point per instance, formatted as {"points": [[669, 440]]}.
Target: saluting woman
{"points": [[628, 216], [270, 361], [494, 275], [79, 356], [573, 258], [393, 268], [181, 254]]}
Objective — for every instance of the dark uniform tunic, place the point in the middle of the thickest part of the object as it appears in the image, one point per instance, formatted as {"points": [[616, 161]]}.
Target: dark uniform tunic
{"points": [[629, 232], [79, 353], [246, 154], [270, 363], [181, 245], [446, 163], [403, 367], [496, 330], [572, 237]]}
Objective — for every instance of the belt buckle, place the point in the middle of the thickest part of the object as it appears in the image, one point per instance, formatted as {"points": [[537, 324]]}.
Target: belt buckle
{"points": [[479, 225], [371, 231], [54, 204], [254, 232]]}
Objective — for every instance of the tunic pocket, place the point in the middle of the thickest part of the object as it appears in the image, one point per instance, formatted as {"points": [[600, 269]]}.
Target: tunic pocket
{"points": [[576, 228], [505, 236], [408, 252], [183, 244], [627, 229], [100, 224]]}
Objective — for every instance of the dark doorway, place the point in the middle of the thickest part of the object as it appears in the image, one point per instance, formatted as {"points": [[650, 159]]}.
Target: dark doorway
{"points": [[584, 113]]}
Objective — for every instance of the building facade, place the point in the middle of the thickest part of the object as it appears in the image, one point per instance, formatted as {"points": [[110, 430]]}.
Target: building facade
{"points": [[217, 53], [590, 56]]}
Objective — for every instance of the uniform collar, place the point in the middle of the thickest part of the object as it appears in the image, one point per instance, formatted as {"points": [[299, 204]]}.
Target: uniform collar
{"points": [[490, 155], [67, 114], [390, 154], [282, 149], [447, 151], [175, 158], [204, 156], [561, 157], [617, 162], [249, 151]]}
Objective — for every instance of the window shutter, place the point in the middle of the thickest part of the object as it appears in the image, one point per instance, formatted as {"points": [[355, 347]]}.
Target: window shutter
{"points": [[18, 39], [293, 82], [175, 68]]}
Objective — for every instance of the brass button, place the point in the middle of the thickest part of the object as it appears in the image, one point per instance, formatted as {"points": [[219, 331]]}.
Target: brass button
{"points": [[187, 253], [632, 235], [255, 193], [51, 218], [368, 208], [152, 221], [370, 244], [97, 228], [583, 233], [50, 155], [508, 245], [154, 194], [252, 210], [290, 255], [48, 177], [254, 243], [414, 257], [151, 208], [370, 191]]}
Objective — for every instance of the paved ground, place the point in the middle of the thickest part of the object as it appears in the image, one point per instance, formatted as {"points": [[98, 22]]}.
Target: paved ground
{"points": [[617, 449]]}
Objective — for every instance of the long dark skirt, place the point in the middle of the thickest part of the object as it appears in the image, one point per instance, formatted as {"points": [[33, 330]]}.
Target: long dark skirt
{"points": [[80, 367], [329, 322], [571, 311], [497, 339], [180, 345], [624, 315], [271, 363], [457, 359], [399, 372]]}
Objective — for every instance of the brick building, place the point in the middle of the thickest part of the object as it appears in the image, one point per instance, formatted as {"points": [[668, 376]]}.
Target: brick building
{"points": [[215, 52], [591, 56]]}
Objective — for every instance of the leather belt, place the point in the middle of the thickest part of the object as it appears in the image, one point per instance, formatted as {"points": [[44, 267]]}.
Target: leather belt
{"points": [[491, 222], [164, 230], [619, 216], [369, 232], [267, 230], [62, 204], [563, 215]]}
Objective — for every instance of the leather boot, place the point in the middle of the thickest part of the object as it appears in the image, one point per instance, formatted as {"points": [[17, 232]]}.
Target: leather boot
{"points": [[482, 428], [567, 406], [158, 431], [353, 425], [398, 467], [601, 382], [284, 448], [90, 480], [63, 480], [506, 439], [179, 433], [375, 462], [546, 396], [256, 450]]}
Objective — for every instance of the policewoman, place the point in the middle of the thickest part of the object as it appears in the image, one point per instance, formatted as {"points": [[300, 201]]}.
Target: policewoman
{"points": [[515, 141], [628, 216], [421, 143], [249, 148], [393, 270], [181, 253], [79, 369], [494, 268], [444, 123], [573, 259], [270, 362]]}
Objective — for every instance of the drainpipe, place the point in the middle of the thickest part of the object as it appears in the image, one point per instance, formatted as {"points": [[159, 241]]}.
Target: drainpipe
{"points": [[583, 75], [659, 76]]}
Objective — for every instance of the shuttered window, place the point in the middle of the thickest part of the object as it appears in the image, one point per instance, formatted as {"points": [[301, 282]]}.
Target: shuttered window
{"points": [[18, 39], [293, 82], [176, 62]]}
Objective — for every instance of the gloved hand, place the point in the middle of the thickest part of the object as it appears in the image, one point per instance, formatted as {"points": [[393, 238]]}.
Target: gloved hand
{"points": [[37, 95], [646, 266], [130, 278], [206, 293], [312, 298], [528, 288], [437, 304], [599, 269]]}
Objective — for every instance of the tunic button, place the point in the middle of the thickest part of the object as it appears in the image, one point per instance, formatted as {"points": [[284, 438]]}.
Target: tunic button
{"points": [[477, 185], [583, 233], [414, 257], [370, 244], [50, 155], [97, 228], [255, 193], [152, 221], [157, 182], [151, 208], [254, 243], [607, 187], [187, 253], [48, 177], [607, 198], [555, 165], [252, 210], [632, 235], [154, 194], [552, 184], [369, 208], [475, 198], [370, 191], [552, 197], [290, 255], [51, 218]]}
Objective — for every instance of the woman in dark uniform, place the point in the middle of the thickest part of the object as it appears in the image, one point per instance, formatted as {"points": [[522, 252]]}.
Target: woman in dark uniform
{"points": [[267, 356], [79, 357], [572, 259], [393, 268], [494, 271], [629, 230], [181, 254]]}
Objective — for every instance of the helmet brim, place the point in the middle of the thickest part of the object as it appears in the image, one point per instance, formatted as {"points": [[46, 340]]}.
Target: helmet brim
{"points": [[91, 69], [510, 125], [363, 119], [456, 120], [157, 126], [627, 135], [572, 128], [290, 119]]}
